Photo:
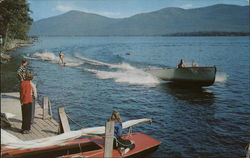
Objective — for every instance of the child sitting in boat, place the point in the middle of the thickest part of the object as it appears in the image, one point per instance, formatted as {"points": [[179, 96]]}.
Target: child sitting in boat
{"points": [[121, 144], [181, 64]]}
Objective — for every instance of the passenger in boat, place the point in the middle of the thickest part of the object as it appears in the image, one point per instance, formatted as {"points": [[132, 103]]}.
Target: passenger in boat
{"points": [[61, 57], [181, 64], [26, 101], [194, 64], [121, 144]]}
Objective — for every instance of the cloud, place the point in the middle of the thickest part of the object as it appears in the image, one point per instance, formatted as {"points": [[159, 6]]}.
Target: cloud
{"points": [[187, 6], [63, 8], [108, 14], [66, 8]]}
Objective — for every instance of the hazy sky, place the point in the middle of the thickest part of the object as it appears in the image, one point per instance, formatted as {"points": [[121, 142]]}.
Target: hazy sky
{"points": [[116, 8]]}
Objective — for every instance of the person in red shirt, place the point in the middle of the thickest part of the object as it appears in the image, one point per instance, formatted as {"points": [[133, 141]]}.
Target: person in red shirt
{"points": [[26, 101]]}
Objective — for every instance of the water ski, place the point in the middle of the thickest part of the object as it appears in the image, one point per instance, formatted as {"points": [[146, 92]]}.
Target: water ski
{"points": [[63, 64]]}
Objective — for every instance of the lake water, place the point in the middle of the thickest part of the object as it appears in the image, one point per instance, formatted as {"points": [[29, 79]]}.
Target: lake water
{"points": [[100, 76]]}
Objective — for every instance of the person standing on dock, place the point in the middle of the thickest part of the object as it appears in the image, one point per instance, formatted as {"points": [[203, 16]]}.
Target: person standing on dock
{"points": [[22, 70], [26, 101], [123, 145]]}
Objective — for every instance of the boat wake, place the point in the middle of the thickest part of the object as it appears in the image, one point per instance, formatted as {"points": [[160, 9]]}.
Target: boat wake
{"points": [[46, 56], [99, 63], [221, 77], [51, 57], [121, 73], [135, 76], [91, 61]]}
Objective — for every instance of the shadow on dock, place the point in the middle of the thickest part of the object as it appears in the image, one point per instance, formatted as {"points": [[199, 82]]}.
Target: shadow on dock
{"points": [[9, 97]]}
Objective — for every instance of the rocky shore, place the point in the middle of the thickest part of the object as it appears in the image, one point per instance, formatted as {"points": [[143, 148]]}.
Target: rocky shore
{"points": [[9, 64], [12, 45]]}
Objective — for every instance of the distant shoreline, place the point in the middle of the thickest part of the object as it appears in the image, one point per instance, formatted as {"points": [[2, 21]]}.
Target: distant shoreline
{"points": [[210, 34], [166, 35]]}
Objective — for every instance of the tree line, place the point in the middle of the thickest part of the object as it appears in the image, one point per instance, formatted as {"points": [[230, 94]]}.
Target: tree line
{"points": [[15, 20], [211, 33]]}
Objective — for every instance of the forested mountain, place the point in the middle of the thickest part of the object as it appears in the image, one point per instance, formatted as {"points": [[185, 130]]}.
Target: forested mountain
{"points": [[216, 18]]}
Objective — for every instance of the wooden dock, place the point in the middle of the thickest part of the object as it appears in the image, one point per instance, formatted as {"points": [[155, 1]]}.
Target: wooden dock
{"points": [[41, 128]]}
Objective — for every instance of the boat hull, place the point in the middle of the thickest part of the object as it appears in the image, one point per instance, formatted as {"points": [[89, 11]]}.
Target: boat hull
{"points": [[201, 76], [88, 147]]}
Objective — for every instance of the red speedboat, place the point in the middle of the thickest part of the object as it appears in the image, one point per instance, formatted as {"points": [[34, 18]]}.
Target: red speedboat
{"points": [[68, 146], [86, 148]]}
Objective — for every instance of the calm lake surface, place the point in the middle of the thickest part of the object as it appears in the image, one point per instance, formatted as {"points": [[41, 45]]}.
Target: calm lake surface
{"points": [[100, 76]]}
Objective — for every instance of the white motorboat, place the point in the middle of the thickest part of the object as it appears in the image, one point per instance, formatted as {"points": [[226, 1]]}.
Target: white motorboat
{"points": [[201, 76]]}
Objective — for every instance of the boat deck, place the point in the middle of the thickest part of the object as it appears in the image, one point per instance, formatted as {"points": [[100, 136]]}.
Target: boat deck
{"points": [[41, 128]]}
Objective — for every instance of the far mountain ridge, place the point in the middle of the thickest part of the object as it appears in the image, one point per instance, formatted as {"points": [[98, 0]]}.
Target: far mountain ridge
{"points": [[172, 20]]}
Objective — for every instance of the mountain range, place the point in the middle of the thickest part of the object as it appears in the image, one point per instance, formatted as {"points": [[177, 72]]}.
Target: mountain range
{"points": [[167, 21]]}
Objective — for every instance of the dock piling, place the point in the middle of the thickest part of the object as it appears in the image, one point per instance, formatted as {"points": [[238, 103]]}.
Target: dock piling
{"points": [[248, 151], [109, 137], [63, 120], [46, 108]]}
